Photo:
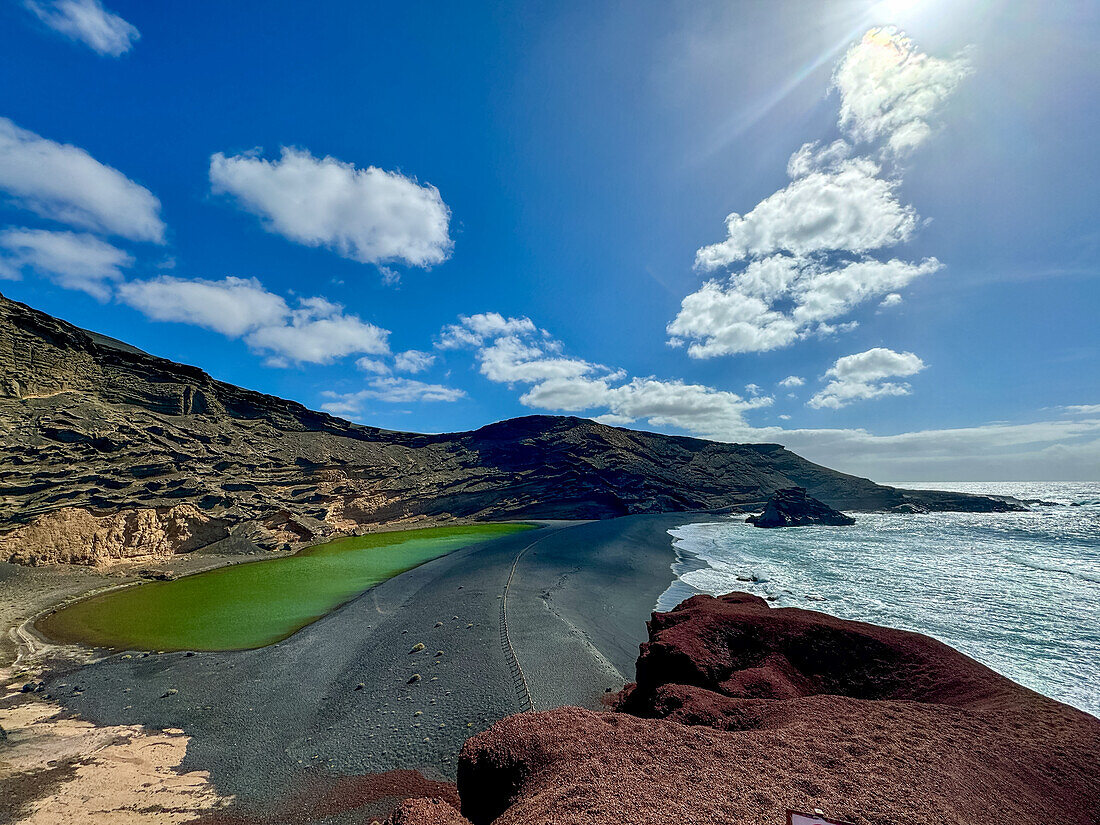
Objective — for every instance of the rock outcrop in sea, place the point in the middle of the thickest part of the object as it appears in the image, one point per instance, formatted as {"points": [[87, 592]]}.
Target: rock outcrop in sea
{"points": [[108, 453], [742, 711], [794, 507]]}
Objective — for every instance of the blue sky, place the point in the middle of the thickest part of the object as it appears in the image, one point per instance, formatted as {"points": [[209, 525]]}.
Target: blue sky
{"points": [[433, 216]]}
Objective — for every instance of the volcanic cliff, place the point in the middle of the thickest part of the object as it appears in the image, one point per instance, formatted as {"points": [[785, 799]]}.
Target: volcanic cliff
{"points": [[108, 453]]}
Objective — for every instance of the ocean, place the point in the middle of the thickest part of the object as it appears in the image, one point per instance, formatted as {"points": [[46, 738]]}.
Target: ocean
{"points": [[1019, 592]]}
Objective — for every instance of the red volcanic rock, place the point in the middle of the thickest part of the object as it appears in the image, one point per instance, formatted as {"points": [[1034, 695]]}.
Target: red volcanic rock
{"points": [[742, 711], [426, 812], [366, 798]]}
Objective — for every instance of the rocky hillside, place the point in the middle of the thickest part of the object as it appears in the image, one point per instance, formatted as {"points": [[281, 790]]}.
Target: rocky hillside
{"points": [[107, 453]]}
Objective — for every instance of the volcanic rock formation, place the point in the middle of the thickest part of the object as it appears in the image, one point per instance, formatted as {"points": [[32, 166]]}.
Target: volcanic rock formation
{"points": [[742, 711], [108, 453], [792, 507]]}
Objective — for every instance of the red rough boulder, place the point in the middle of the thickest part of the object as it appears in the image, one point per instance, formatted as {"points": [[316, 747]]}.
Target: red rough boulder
{"points": [[742, 711]]}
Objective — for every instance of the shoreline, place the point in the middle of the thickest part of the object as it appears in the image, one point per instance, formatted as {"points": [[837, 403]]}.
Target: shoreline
{"points": [[339, 699], [335, 706], [29, 592], [686, 561]]}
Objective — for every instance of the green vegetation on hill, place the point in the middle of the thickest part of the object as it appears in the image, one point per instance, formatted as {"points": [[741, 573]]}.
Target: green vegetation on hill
{"points": [[255, 604]]}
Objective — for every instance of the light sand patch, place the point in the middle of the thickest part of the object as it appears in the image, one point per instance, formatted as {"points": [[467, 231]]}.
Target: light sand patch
{"points": [[114, 775]]}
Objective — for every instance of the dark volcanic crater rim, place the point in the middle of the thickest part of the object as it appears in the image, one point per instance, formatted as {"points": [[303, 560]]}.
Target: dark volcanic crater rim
{"points": [[128, 454]]}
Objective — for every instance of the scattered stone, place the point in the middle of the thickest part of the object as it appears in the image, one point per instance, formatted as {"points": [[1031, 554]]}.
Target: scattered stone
{"points": [[415, 678], [169, 692], [419, 646], [360, 686]]}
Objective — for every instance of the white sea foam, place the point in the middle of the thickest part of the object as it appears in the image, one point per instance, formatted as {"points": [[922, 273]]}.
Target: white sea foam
{"points": [[1017, 591]]}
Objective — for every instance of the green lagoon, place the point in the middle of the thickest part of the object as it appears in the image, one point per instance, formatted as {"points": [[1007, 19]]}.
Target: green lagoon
{"points": [[258, 603]]}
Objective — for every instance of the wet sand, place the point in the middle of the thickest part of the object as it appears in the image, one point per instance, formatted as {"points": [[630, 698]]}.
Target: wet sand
{"points": [[354, 694]]}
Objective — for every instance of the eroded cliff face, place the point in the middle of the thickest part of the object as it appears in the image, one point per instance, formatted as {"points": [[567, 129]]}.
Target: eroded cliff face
{"points": [[99, 442], [76, 536]]}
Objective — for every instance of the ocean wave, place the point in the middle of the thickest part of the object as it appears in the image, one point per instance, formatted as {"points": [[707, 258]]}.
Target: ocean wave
{"points": [[1017, 591], [1023, 561]]}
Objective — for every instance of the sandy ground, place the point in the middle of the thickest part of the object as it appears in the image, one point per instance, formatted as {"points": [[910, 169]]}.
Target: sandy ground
{"points": [[57, 770], [349, 695]]}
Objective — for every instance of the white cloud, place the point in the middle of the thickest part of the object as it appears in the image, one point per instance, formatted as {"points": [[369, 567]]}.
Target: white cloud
{"points": [[724, 320], [570, 395], [515, 351], [809, 158], [862, 376], [792, 381], [801, 254], [743, 314], [231, 306], [691, 407], [612, 420], [87, 22], [413, 361], [509, 359], [473, 330], [1053, 450], [317, 331], [390, 390], [64, 183], [850, 208], [344, 404], [753, 389], [69, 259], [368, 215], [889, 90], [401, 390], [824, 294], [891, 300], [373, 365]]}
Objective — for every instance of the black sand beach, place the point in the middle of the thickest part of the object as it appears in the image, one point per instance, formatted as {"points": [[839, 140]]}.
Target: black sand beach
{"points": [[342, 697]]}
